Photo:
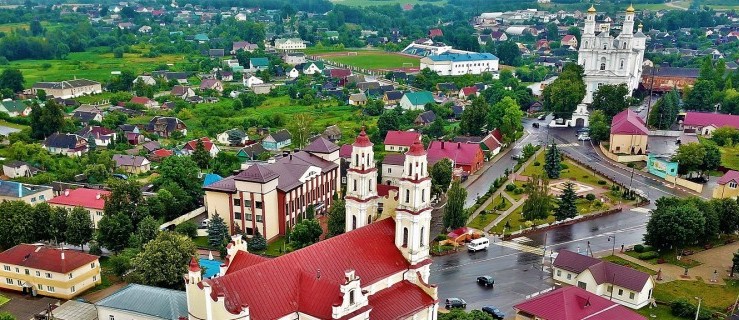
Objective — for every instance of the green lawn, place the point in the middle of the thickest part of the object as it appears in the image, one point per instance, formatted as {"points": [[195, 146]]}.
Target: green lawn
{"points": [[516, 222], [661, 312], [201, 242], [366, 3], [276, 248], [730, 157], [669, 257], [629, 264], [512, 194], [715, 297], [497, 202], [89, 65], [12, 125], [3, 300], [375, 60], [482, 220]]}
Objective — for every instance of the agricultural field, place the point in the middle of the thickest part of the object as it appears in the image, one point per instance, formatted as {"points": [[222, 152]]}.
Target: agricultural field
{"points": [[373, 59], [88, 65], [366, 3], [9, 27]]}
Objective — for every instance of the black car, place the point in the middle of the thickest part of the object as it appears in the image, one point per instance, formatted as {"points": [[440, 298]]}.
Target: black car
{"points": [[455, 303], [535, 124], [487, 281], [494, 312]]}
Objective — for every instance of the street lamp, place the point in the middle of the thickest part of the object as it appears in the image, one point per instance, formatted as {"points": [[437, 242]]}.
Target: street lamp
{"points": [[697, 311], [613, 238]]}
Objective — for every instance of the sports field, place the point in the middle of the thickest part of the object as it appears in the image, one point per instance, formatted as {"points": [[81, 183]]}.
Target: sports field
{"points": [[373, 59]]}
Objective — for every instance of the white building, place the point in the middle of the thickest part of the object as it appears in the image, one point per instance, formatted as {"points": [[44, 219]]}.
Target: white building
{"points": [[609, 60], [361, 184], [249, 82], [294, 73], [456, 64], [289, 44]]}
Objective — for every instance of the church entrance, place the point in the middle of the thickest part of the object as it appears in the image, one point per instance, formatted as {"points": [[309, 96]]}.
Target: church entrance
{"points": [[579, 122]]}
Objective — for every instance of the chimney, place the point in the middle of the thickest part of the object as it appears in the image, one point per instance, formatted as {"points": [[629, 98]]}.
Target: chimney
{"points": [[62, 253], [66, 192], [459, 145], [97, 196], [442, 144], [318, 274]]}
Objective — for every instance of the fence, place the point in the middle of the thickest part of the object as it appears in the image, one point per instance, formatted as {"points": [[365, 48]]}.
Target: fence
{"points": [[622, 158], [183, 218], [697, 187], [665, 133]]}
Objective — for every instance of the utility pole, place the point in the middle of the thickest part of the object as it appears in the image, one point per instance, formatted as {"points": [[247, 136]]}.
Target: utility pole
{"points": [[651, 90]]}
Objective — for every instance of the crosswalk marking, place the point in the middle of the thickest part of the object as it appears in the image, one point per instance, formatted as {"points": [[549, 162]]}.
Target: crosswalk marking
{"points": [[521, 239], [641, 210], [574, 144], [521, 247]]}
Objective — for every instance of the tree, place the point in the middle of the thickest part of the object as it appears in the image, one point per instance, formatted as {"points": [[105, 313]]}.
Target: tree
{"points": [[455, 215], [712, 160], [388, 120], [200, 155], [474, 117], [727, 211], [436, 129], [41, 215], [459, 314], [510, 126], [566, 205], [114, 231], [611, 99], [552, 160], [374, 107], [539, 202], [300, 128], [46, 120], [600, 129], [441, 176], [17, 226], [690, 157], [664, 112], [125, 196], [6, 316], [701, 96], [336, 218], [12, 79], [508, 53], [187, 228], [564, 94], [148, 229], [164, 260], [305, 233], [674, 224], [182, 172], [36, 28], [57, 222], [79, 227], [257, 242], [217, 231]]}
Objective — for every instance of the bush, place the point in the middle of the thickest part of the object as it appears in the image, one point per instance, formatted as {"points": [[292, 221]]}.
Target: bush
{"points": [[518, 191], [639, 248], [563, 166], [590, 197], [536, 163], [684, 309], [441, 237], [602, 182], [187, 228], [510, 187], [648, 255]]}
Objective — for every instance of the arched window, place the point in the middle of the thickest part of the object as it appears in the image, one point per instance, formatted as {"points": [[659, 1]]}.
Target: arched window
{"points": [[410, 168], [603, 63], [405, 237], [586, 45], [369, 219], [623, 46], [605, 47], [407, 196], [351, 297], [356, 160], [370, 185], [354, 222], [355, 184], [423, 195], [621, 64], [421, 241]]}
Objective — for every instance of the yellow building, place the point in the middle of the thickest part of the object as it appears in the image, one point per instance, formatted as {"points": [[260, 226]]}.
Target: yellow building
{"points": [[628, 134], [48, 271], [727, 186]]}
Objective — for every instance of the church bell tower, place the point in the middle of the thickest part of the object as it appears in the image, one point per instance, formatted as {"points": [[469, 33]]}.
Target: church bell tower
{"points": [[361, 185]]}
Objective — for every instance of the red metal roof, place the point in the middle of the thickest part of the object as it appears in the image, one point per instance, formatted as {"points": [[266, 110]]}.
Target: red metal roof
{"points": [[459, 153], [340, 73], [362, 140], [43, 258], [497, 135], [397, 159], [308, 280], [243, 259], [140, 100], [728, 177], [193, 144], [602, 271], [163, 153], [383, 190], [400, 301], [402, 138], [574, 303], [702, 119], [81, 197], [345, 151], [194, 265], [321, 145], [435, 33], [468, 91], [416, 149], [628, 122]]}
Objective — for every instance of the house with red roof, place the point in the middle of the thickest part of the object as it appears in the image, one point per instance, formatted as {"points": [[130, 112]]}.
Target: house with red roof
{"points": [[468, 92], [629, 133], [209, 146], [465, 156], [435, 33], [377, 269], [572, 303], [399, 141], [52, 272], [160, 154], [569, 40], [623, 285], [726, 187], [92, 200], [491, 144], [144, 101], [705, 123]]}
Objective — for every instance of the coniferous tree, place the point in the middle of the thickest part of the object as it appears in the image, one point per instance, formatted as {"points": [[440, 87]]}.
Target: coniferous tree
{"points": [[200, 155], [257, 242], [217, 231], [552, 160], [566, 208], [336, 218]]}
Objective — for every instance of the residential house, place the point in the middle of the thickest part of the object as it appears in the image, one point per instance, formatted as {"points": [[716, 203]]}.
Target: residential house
{"points": [[68, 89], [243, 45], [726, 187], [147, 80], [705, 123], [357, 99], [85, 116], [392, 168], [165, 126], [435, 33], [208, 145], [392, 97], [211, 84], [289, 44], [65, 144], [569, 40], [15, 108], [331, 35], [665, 79], [136, 301], [151, 146], [180, 77], [572, 303], [332, 133], [629, 134], [233, 137], [249, 82], [624, 285], [355, 79], [313, 67], [425, 118], [28, 193], [201, 38], [226, 76], [160, 154], [132, 133], [447, 88], [416, 100], [216, 53], [277, 140], [400, 141], [294, 58], [101, 136], [92, 200], [490, 144], [132, 164], [18, 169], [182, 92], [294, 73], [338, 74], [251, 152], [498, 36], [368, 85], [466, 156], [468, 92], [52, 272], [146, 102], [457, 111], [259, 63]]}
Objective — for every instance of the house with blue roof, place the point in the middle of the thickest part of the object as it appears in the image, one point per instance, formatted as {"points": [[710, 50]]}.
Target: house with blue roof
{"points": [[28, 193], [416, 100], [457, 64], [137, 301], [259, 63], [211, 178]]}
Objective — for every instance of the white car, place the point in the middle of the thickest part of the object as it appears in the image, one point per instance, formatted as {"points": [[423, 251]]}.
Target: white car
{"points": [[583, 137]]}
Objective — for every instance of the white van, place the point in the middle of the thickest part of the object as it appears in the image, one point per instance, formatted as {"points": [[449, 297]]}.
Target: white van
{"points": [[478, 244]]}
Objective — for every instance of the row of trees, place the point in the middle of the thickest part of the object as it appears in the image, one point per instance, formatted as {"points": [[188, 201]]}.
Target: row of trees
{"points": [[23, 223], [505, 115]]}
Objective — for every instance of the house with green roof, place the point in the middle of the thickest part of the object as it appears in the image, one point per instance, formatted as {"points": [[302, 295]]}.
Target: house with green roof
{"points": [[313, 67], [416, 100], [201, 38], [259, 63], [15, 108], [331, 35]]}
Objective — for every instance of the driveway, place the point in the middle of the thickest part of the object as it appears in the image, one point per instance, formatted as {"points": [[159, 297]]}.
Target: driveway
{"points": [[24, 307], [4, 131]]}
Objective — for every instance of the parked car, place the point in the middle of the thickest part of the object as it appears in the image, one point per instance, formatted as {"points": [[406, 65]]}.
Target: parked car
{"points": [[478, 244], [535, 125], [583, 137], [542, 117], [516, 157], [494, 312], [455, 303], [487, 281]]}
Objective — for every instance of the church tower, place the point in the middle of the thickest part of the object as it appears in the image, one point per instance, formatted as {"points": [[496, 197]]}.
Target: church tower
{"points": [[361, 185], [413, 215]]}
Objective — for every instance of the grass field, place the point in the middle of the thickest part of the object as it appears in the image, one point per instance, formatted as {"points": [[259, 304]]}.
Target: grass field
{"points": [[3, 300], [481, 221], [12, 125], [715, 297], [661, 312], [373, 59], [88, 65], [366, 3], [730, 157], [9, 27]]}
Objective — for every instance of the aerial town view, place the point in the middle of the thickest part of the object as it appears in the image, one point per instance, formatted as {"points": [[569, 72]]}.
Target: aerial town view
{"points": [[369, 159]]}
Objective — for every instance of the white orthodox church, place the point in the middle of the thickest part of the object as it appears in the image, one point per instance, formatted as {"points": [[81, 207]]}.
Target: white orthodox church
{"points": [[609, 60], [378, 269]]}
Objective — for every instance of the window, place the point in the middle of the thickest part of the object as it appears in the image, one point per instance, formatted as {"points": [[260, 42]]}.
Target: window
{"points": [[605, 47], [423, 195], [603, 63], [609, 288], [72, 288], [559, 273], [259, 218], [582, 285], [370, 185], [48, 275], [94, 278], [248, 217], [422, 232], [351, 297], [17, 270], [732, 184], [41, 287], [354, 222], [99, 213], [355, 184], [237, 215], [247, 203], [50, 288], [621, 65], [9, 281], [407, 196], [569, 276], [237, 202], [70, 275], [389, 170], [6, 268], [620, 292], [41, 197], [111, 317], [405, 237], [28, 272], [632, 295], [92, 265], [258, 204], [33, 199], [38, 273], [20, 283]]}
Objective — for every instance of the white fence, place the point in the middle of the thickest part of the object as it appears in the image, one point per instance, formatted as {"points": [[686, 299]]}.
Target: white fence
{"points": [[183, 218]]}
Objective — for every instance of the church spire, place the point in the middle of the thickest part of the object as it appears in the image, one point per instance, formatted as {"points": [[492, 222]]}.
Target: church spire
{"points": [[413, 215], [361, 184]]}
